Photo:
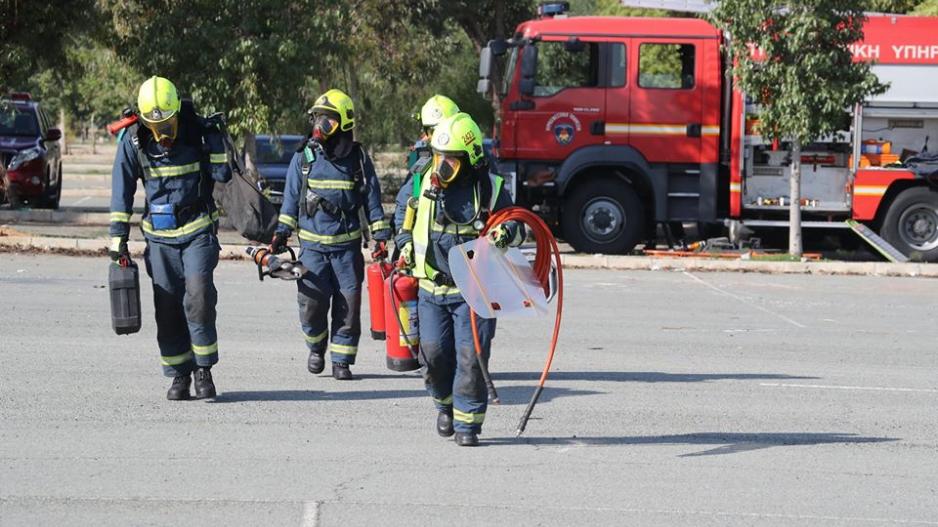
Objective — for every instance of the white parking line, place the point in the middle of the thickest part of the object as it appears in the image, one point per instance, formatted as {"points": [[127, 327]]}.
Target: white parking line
{"points": [[743, 300], [82, 200], [310, 514], [862, 388]]}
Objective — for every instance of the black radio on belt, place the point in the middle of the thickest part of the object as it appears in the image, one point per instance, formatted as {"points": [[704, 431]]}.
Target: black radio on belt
{"points": [[314, 201]]}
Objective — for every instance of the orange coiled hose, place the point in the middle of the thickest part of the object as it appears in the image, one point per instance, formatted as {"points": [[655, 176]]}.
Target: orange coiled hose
{"points": [[547, 256]]}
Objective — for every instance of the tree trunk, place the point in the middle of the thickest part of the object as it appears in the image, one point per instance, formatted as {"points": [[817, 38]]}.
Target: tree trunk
{"points": [[496, 100], [250, 152], [499, 18], [94, 135], [354, 90], [794, 211], [62, 127]]}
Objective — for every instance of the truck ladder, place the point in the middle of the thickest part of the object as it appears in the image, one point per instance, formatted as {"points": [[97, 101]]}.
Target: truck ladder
{"points": [[882, 246]]}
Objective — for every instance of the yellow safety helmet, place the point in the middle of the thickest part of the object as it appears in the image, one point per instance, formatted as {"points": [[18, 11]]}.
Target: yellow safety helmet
{"points": [[456, 142], [436, 109], [158, 100], [159, 104], [339, 103]]}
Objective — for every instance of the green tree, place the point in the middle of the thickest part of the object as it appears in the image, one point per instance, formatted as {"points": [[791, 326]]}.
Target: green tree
{"points": [[891, 6], [927, 8], [805, 79], [255, 60], [35, 36]]}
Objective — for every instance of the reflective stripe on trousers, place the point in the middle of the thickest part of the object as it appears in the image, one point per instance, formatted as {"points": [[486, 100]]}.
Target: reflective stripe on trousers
{"points": [[334, 281], [453, 373], [184, 297]]}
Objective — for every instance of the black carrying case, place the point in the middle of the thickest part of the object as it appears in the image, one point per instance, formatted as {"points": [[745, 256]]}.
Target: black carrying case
{"points": [[124, 289]]}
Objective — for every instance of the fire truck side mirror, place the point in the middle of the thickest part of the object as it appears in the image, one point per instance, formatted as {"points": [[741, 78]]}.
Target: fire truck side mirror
{"points": [[528, 70], [483, 87], [486, 69], [486, 59]]}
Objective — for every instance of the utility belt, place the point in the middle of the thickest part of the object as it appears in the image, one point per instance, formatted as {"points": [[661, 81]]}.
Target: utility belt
{"points": [[169, 216]]}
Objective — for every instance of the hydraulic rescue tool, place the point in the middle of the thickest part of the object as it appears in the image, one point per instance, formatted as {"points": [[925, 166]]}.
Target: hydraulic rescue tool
{"points": [[124, 288], [501, 284], [269, 264]]}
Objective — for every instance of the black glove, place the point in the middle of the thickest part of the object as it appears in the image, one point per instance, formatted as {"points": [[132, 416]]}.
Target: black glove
{"points": [[118, 249], [279, 243]]}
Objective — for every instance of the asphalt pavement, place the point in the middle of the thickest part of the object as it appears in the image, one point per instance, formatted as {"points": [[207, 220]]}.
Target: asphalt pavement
{"points": [[676, 399]]}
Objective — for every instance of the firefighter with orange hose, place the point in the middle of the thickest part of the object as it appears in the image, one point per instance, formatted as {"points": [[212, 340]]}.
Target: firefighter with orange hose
{"points": [[452, 206]]}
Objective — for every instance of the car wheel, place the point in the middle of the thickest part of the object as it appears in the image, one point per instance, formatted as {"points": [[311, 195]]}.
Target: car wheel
{"points": [[53, 195], [603, 216], [911, 224]]}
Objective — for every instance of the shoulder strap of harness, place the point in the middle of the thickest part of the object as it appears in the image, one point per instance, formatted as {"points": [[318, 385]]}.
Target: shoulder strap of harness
{"points": [[496, 183], [309, 157], [360, 186], [359, 176], [134, 133]]}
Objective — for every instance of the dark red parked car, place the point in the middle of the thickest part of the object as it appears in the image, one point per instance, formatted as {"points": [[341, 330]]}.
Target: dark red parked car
{"points": [[29, 153]]}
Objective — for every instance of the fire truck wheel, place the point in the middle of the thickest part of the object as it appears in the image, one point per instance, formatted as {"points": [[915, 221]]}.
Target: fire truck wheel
{"points": [[911, 224], [603, 217]]}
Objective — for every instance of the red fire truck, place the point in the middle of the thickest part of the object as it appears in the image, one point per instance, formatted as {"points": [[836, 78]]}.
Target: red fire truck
{"points": [[610, 126]]}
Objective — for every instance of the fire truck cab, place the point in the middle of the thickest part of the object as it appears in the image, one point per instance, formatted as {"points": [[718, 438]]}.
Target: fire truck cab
{"points": [[609, 126]]}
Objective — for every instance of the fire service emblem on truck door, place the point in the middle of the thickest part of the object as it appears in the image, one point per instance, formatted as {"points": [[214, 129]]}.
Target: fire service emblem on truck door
{"points": [[564, 126]]}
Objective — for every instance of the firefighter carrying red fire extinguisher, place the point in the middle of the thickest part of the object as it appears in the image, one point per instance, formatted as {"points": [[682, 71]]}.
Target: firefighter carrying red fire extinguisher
{"points": [[451, 208], [329, 180]]}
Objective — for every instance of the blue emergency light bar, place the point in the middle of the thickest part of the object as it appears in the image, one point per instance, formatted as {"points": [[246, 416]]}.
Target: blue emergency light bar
{"points": [[546, 9]]}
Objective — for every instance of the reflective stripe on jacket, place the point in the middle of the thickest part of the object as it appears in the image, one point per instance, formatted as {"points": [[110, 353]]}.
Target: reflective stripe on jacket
{"points": [[335, 181]]}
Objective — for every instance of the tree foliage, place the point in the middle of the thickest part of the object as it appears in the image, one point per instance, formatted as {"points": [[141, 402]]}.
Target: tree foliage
{"points": [[803, 74], [34, 37], [927, 8], [252, 59]]}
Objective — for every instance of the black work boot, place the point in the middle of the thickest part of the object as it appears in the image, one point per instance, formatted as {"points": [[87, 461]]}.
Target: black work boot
{"points": [[179, 391], [444, 423], [316, 363], [467, 439], [341, 372], [204, 386]]}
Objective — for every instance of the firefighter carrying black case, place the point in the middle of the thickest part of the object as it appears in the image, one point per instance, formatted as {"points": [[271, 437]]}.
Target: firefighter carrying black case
{"points": [[124, 288]]}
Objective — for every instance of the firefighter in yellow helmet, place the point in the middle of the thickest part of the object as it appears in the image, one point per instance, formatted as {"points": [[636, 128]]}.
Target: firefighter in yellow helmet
{"points": [[178, 156], [436, 109], [330, 181], [453, 204]]}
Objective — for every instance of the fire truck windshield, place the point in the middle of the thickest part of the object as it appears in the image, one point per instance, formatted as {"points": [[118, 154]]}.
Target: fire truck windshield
{"points": [[507, 73]]}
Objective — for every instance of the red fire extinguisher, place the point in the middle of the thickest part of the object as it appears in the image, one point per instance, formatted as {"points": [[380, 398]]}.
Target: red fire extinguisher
{"points": [[400, 312], [377, 273]]}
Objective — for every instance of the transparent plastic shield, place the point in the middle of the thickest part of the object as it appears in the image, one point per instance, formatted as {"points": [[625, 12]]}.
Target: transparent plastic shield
{"points": [[496, 283]]}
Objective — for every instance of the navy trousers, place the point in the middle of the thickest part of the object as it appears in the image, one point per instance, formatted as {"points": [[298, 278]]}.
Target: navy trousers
{"points": [[453, 375], [334, 280], [184, 296]]}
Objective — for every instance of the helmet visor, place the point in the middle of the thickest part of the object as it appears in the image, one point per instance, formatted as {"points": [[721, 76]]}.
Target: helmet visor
{"points": [[324, 126], [164, 130], [446, 167]]}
